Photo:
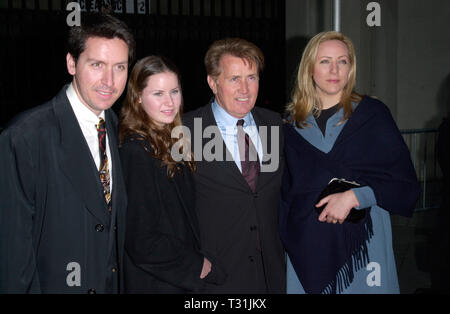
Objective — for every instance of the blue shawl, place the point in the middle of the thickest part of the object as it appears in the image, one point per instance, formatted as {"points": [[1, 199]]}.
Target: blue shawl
{"points": [[369, 150]]}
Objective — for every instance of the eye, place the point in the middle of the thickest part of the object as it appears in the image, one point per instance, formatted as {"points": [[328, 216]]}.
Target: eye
{"points": [[324, 61], [157, 93], [96, 64], [253, 78], [121, 67], [234, 79], [175, 91], [343, 61]]}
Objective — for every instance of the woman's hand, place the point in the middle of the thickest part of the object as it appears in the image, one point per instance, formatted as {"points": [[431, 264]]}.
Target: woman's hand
{"points": [[338, 206]]}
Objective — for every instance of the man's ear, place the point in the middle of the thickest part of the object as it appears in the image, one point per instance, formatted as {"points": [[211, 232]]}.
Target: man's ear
{"points": [[71, 64], [212, 84]]}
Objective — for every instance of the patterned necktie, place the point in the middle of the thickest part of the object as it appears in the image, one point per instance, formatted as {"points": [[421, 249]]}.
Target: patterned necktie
{"points": [[249, 156], [104, 169]]}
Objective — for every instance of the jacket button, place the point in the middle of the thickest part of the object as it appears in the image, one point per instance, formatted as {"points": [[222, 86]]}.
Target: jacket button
{"points": [[114, 269], [91, 291], [99, 228], [251, 258], [252, 228]]}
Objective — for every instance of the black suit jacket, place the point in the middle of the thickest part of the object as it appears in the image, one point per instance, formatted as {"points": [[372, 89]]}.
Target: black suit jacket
{"points": [[56, 235], [162, 241], [238, 226]]}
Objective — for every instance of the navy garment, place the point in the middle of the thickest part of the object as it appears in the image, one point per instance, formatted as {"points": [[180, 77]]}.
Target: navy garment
{"points": [[56, 233], [369, 150]]}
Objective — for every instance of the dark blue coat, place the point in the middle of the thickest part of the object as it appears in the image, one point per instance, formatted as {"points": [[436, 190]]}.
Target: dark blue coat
{"points": [[369, 150]]}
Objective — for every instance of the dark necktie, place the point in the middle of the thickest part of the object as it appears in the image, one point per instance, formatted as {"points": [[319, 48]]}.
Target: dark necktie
{"points": [[249, 156], [104, 169]]}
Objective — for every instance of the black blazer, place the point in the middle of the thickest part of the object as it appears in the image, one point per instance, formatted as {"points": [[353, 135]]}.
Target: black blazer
{"points": [[54, 222], [235, 223], [162, 241]]}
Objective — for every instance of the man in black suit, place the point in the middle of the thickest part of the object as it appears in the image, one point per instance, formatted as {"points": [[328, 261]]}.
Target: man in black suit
{"points": [[62, 196], [238, 173]]}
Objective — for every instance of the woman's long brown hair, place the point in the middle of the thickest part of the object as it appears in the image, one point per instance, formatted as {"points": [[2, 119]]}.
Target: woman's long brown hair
{"points": [[134, 120]]}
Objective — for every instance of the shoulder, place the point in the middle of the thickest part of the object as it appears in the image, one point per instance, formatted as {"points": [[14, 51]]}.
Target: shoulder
{"points": [[372, 109], [110, 114], [372, 105], [134, 143], [270, 117], [135, 150], [188, 118], [31, 123]]}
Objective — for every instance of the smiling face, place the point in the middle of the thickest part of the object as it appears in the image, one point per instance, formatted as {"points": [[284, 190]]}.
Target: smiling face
{"points": [[331, 71], [236, 87], [161, 98], [100, 73]]}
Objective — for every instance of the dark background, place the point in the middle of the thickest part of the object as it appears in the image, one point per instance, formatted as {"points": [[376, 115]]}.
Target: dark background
{"points": [[33, 41]]}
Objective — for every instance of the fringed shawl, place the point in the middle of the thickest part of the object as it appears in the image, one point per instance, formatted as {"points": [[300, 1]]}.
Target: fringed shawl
{"points": [[369, 150]]}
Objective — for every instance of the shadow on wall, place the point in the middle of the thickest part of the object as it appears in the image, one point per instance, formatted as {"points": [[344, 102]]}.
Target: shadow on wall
{"points": [[432, 255], [443, 103], [294, 51]]}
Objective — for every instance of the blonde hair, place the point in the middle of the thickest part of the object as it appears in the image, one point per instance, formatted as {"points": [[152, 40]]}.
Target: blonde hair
{"points": [[304, 98]]}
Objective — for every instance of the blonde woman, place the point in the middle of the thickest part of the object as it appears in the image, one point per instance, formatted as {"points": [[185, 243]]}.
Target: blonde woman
{"points": [[341, 242]]}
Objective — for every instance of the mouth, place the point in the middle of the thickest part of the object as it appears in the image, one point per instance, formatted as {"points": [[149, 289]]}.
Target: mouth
{"points": [[333, 81], [243, 99], [104, 94], [168, 112]]}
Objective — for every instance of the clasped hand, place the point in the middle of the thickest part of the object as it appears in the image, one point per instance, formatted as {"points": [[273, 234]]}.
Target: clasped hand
{"points": [[338, 206]]}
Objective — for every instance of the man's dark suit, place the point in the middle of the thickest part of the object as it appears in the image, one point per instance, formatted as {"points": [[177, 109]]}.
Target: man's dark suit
{"points": [[238, 226], [54, 220]]}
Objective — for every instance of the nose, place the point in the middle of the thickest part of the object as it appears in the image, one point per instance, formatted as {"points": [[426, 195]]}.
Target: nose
{"points": [[334, 67], [243, 88], [169, 100], [108, 77]]}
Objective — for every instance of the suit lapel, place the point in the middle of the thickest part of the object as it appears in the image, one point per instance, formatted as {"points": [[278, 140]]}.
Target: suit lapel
{"points": [[266, 140], [77, 162], [227, 166], [118, 187]]}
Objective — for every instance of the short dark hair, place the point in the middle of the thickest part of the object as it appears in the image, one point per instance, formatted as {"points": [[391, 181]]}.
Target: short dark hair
{"points": [[99, 25]]}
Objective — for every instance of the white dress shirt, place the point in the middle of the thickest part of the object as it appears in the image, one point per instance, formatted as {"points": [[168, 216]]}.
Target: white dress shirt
{"points": [[228, 129], [88, 123]]}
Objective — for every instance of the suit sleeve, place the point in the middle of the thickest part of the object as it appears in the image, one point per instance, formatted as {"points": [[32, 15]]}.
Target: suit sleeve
{"points": [[18, 273], [150, 245]]}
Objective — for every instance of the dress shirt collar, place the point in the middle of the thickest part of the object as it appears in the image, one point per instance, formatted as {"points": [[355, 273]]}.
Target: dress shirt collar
{"points": [[224, 119], [82, 113]]}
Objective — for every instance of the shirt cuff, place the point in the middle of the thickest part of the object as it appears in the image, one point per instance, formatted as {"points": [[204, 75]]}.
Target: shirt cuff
{"points": [[365, 196]]}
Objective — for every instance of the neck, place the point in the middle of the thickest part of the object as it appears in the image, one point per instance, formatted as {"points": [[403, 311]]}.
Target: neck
{"points": [[328, 102]]}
